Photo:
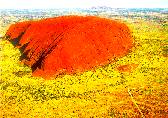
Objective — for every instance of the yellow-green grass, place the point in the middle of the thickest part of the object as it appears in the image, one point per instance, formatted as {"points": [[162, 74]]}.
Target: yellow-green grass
{"points": [[102, 92]]}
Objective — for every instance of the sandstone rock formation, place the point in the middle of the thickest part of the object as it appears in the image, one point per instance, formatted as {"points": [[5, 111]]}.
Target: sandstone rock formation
{"points": [[69, 44]]}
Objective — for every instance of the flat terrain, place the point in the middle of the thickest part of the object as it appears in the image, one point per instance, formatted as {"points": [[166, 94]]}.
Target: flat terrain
{"points": [[132, 86]]}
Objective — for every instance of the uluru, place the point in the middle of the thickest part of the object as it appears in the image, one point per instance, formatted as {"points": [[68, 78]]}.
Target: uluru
{"points": [[69, 44]]}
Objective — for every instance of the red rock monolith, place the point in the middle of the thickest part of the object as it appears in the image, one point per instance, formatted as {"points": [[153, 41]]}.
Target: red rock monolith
{"points": [[69, 44]]}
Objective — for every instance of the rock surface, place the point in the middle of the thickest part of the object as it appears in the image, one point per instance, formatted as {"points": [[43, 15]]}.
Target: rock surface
{"points": [[69, 44]]}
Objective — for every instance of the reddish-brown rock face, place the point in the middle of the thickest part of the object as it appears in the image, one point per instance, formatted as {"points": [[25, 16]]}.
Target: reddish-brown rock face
{"points": [[69, 44]]}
